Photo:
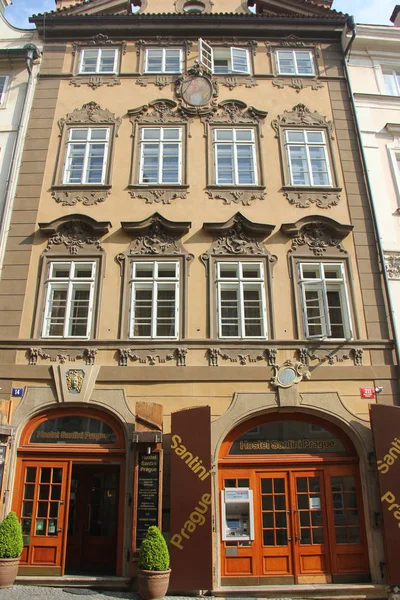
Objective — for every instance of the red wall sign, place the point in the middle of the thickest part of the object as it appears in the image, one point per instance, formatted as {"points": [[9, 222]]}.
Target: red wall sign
{"points": [[385, 422], [191, 511], [368, 393]]}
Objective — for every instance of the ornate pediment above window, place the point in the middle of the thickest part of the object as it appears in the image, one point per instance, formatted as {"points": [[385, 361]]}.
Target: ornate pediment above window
{"points": [[235, 112], [238, 237], [301, 116], [292, 41], [157, 112], [75, 232], [317, 235], [155, 236], [90, 114], [99, 40]]}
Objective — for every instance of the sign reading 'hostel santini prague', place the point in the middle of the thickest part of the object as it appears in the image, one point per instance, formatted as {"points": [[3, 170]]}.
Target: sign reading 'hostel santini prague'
{"points": [[385, 422], [191, 520]]}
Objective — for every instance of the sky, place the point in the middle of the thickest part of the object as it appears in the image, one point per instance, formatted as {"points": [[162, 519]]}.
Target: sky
{"points": [[365, 11]]}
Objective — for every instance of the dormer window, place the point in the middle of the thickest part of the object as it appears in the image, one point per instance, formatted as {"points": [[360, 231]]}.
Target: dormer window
{"points": [[193, 6]]}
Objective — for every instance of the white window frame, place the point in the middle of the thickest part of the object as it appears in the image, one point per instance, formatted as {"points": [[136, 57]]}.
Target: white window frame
{"points": [[163, 60], [70, 284], [206, 59], [161, 143], [97, 69], [154, 283], [88, 142], [307, 146], [395, 75], [323, 284], [394, 159], [235, 144], [240, 283], [4, 90], [294, 54]]}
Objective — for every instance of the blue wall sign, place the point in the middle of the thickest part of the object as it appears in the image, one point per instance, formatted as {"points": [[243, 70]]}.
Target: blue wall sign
{"points": [[17, 392]]}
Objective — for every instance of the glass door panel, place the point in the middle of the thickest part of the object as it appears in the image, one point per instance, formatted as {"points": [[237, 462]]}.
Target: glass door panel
{"points": [[311, 547], [42, 513], [274, 531]]}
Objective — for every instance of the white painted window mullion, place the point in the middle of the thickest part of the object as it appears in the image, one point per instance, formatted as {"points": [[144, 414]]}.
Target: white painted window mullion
{"points": [[67, 323], [235, 160], [241, 324]]}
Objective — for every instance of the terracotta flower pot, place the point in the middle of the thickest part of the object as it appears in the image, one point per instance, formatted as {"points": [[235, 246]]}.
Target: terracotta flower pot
{"points": [[8, 571], [153, 585]]}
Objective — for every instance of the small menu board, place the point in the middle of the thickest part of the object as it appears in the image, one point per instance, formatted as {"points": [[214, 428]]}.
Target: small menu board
{"points": [[148, 494]]}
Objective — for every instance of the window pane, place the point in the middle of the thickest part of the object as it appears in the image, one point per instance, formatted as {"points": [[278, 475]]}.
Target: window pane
{"points": [[83, 271], [223, 135], [319, 165], [299, 166], [144, 269], [151, 134], [229, 313], [391, 86], [170, 170], [335, 314], [150, 165], [228, 270], [245, 164], [79, 311], [171, 134], [95, 163], [225, 164], [172, 60], [57, 309], [98, 134], [60, 270], [89, 61], [295, 136], [166, 270], [286, 62], [314, 312], [252, 312], [107, 61], [78, 134], [166, 312], [142, 312], [239, 58], [244, 135], [251, 271], [154, 60], [304, 63]]}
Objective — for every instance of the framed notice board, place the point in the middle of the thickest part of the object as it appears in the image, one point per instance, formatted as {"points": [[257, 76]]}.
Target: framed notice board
{"points": [[148, 493]]}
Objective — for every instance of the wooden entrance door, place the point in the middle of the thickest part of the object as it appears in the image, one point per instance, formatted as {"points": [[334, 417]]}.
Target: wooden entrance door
{"points": [[93, 517], [292, 526], [42, 511]]}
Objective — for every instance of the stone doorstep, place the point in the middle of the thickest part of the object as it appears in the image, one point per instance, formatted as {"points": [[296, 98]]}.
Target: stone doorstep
{"points": [[79, 581], [305, 591]]}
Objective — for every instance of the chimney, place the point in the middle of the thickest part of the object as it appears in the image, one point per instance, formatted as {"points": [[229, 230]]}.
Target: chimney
{"points": [[395, 18], [60, 4]]}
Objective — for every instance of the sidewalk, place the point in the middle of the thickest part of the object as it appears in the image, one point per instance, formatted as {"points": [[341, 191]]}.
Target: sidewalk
{"points": [[28, 592]]}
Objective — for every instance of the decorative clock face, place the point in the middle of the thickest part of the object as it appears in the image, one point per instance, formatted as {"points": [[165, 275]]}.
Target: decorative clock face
{"points": [[197, 91]]}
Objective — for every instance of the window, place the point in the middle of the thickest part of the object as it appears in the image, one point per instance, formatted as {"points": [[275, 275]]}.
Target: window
{"points": [[295, 62], [69, 299], [324, 300], [86, 156], [163, 60], [98, 60], [154, 300], [391, 80], [307, 157], [3, 87], [234, 157], [160, 155], [241, 300], [223, 60]]}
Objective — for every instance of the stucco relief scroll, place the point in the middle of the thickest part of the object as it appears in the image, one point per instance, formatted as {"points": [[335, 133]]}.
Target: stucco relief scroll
{"points": [[392, 264]]}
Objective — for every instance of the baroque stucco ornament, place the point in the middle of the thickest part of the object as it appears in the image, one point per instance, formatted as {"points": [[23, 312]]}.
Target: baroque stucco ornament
{"points": [[235, 112], [74, 379], [316, 234], [99, 40], [302, 116], [238, 237], [392, 264], [163, 110], [90, 113], [75, 232]]}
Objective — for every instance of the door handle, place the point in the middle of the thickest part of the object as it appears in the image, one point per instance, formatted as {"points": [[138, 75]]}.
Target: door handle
{"points": [[60, 530]]}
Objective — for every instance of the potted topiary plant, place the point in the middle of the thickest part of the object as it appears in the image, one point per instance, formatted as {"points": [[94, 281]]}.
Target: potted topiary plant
{"points": [[11, 544], [153, 566]]}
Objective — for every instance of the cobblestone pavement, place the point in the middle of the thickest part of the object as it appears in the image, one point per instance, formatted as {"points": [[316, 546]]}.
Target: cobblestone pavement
{"points": [[27, 592]]}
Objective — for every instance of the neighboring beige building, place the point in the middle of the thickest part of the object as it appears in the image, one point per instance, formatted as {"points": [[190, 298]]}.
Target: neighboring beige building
{"points": [[192, 228]]}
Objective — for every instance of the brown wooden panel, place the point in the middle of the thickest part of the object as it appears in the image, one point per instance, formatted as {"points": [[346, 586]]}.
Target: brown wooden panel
{"points": [[44, 555], [277, 565], [313, 563], [351, 562], [239, 565]]}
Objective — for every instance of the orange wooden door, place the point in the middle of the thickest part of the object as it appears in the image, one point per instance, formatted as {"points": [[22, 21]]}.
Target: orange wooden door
{"points": [[311, 543], [42, 510], [346, 522], [273, 526]]}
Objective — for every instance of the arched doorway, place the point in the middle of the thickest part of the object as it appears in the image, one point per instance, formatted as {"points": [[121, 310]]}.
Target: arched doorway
{"points": [[69, 493], [291, 505]]}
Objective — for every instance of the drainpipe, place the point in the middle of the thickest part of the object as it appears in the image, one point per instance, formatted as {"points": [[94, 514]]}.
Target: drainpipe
{"points": [[351, 25], [31, 53]]}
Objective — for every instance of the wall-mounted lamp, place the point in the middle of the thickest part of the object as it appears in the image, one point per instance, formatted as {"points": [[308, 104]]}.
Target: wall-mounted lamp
{"points": [[379, 389], [148, 450]]}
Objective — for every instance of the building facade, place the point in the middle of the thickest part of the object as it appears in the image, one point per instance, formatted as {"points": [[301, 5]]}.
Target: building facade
{"points": [[192, 229]]}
